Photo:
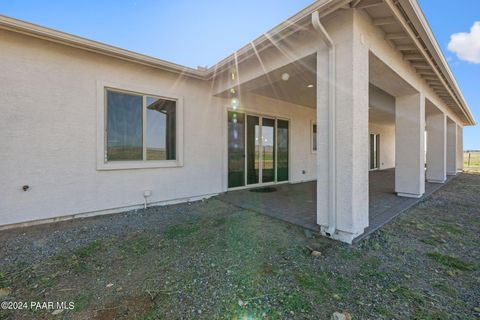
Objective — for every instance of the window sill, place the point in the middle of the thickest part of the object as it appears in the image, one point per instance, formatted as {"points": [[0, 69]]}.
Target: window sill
{"points": [[126, 165]]}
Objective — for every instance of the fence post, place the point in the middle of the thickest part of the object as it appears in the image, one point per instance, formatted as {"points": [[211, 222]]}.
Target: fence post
{"points": [[469, 154]]}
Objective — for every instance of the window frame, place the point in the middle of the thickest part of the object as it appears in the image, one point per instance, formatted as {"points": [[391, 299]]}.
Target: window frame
{"points": [[102, 163], [312, 149]]}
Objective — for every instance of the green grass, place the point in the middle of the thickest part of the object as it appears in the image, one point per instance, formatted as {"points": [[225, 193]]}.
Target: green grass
{"points": [[449, 290], [449, 227], [450, 261], [88, 250], [180, 231], [297, 303], [319, 285], [137, 245]]}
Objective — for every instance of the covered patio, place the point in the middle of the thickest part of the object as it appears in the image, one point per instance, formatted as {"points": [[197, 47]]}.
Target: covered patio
{"points": [[295, 203]]}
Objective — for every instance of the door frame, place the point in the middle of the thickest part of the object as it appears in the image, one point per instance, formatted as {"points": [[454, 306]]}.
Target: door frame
{"points": [[260, 114]]}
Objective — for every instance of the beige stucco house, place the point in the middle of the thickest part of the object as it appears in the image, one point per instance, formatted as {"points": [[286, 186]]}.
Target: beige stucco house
{"points": [[339, 89]]}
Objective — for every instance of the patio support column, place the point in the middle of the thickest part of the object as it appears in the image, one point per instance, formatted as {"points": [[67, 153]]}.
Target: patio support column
{"points": [[349, 184], [437, 147], [459, 148], [451, 147], [410, 145]]}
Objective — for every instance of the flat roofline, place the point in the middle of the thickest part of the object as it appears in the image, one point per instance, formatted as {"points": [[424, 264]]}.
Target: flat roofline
{"points": [[280, 31], [31, 29]]}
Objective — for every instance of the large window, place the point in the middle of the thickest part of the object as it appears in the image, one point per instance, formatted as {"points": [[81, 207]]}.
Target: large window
{"points": [[137, 130], [140, 127]]}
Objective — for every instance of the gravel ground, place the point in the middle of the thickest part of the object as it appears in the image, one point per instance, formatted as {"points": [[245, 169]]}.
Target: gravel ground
{"points": [[211, 260]]}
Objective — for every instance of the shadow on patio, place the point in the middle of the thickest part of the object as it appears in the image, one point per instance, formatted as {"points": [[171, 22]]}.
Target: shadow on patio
{"points": [[295, 203]]}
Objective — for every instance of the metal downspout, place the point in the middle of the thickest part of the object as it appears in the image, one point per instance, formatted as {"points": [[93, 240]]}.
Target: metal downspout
{"points": [[332, 164]]}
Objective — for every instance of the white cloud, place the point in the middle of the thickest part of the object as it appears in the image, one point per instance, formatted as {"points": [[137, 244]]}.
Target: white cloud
{"points": [[467, 44]]}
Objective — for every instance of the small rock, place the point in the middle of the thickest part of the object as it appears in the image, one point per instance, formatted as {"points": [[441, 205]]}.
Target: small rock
{"points": [[109, 285], [58, 311], [316, 253], [240, 303], [341, 316], [4, 292], [336, 296]]}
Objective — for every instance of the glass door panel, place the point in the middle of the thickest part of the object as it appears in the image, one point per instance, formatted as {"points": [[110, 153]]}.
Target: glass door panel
{"points": [[268, 150], [374, 151], [253, 149], [282, 150], [236, 149], [377, 151]]}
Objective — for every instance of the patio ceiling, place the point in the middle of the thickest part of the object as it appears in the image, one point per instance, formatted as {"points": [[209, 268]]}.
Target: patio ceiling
{"points": [[299, 88]]}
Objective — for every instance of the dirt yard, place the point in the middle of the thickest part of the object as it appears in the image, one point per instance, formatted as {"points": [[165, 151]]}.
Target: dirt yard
{"points": [[211, 260]]}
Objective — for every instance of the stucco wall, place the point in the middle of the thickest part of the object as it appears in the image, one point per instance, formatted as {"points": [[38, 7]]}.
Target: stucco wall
{"points": [[48, 128], [387, 144], [382, 121]]}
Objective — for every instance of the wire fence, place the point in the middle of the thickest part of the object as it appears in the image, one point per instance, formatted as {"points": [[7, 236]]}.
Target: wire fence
{"points": [[471, 159]]}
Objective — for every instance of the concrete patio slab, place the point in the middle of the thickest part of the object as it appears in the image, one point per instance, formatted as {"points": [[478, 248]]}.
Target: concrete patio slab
{"points": [[296, 203], [293, 203]]}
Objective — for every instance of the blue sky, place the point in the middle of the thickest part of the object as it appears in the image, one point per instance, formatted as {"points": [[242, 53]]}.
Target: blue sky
{"points": [[193, 33]]}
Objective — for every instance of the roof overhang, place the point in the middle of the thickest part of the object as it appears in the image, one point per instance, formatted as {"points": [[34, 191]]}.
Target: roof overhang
{"points": [[426, 55], [407, 30]]}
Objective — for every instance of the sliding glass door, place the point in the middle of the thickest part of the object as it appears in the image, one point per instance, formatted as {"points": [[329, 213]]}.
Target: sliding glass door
{"points": [[253, 149], [257, 149], [374, 151], [282, 150], [236, 149], [268, 150]]}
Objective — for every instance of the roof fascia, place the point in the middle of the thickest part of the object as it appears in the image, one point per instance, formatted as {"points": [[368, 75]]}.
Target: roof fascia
{"points": [[299, 21], [64, 38], [417, 18]]}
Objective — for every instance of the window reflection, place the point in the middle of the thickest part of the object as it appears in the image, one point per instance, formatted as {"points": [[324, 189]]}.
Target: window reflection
{"points": [[124, 126], [160, 129]]}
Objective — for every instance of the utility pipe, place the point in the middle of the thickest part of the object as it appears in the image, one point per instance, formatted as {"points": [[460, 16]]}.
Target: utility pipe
{"points": [[332, 164]]}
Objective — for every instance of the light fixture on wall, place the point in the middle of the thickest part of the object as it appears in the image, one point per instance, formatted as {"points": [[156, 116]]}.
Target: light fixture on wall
{"points": [[234, 103], [285, 76], [310, 86]]}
